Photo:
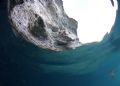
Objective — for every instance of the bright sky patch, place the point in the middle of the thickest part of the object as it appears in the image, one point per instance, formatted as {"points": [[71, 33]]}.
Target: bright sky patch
{"points": [[95, 17]]}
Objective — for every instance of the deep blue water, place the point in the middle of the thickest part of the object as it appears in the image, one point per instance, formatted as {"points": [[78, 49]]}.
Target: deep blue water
{"points": [[23, 64]]}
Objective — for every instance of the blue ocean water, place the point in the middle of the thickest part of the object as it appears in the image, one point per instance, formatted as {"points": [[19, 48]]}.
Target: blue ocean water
{"points": [[23, 64]]}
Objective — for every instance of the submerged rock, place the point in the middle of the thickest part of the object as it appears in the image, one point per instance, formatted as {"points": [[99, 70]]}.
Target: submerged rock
{"points": [[43, 23]]}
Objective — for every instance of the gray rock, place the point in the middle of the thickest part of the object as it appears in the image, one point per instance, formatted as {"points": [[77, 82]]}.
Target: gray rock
{"points": [[43, 23]]}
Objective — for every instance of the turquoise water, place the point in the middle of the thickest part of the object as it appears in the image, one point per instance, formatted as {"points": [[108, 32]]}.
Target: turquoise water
{"points": [[23, 64]]}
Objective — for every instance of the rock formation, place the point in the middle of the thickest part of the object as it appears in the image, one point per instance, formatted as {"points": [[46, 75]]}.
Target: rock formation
{"points": [[43, 23]]}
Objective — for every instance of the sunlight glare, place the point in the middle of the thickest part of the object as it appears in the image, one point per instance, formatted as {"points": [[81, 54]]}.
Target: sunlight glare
{"points": [[95, 18]]}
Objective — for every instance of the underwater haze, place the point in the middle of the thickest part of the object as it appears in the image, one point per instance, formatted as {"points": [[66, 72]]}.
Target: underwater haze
{"points": [[24, 64]]}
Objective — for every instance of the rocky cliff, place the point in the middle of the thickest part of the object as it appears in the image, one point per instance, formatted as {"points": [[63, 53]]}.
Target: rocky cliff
{"points": [[43, 23]]}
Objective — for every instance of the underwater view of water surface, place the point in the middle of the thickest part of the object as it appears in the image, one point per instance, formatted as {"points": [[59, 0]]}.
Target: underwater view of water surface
{"points": [[92, 64]]}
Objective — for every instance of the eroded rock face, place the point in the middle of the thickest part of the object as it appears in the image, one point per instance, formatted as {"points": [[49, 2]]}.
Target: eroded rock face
{"points": [[43, 23]]}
